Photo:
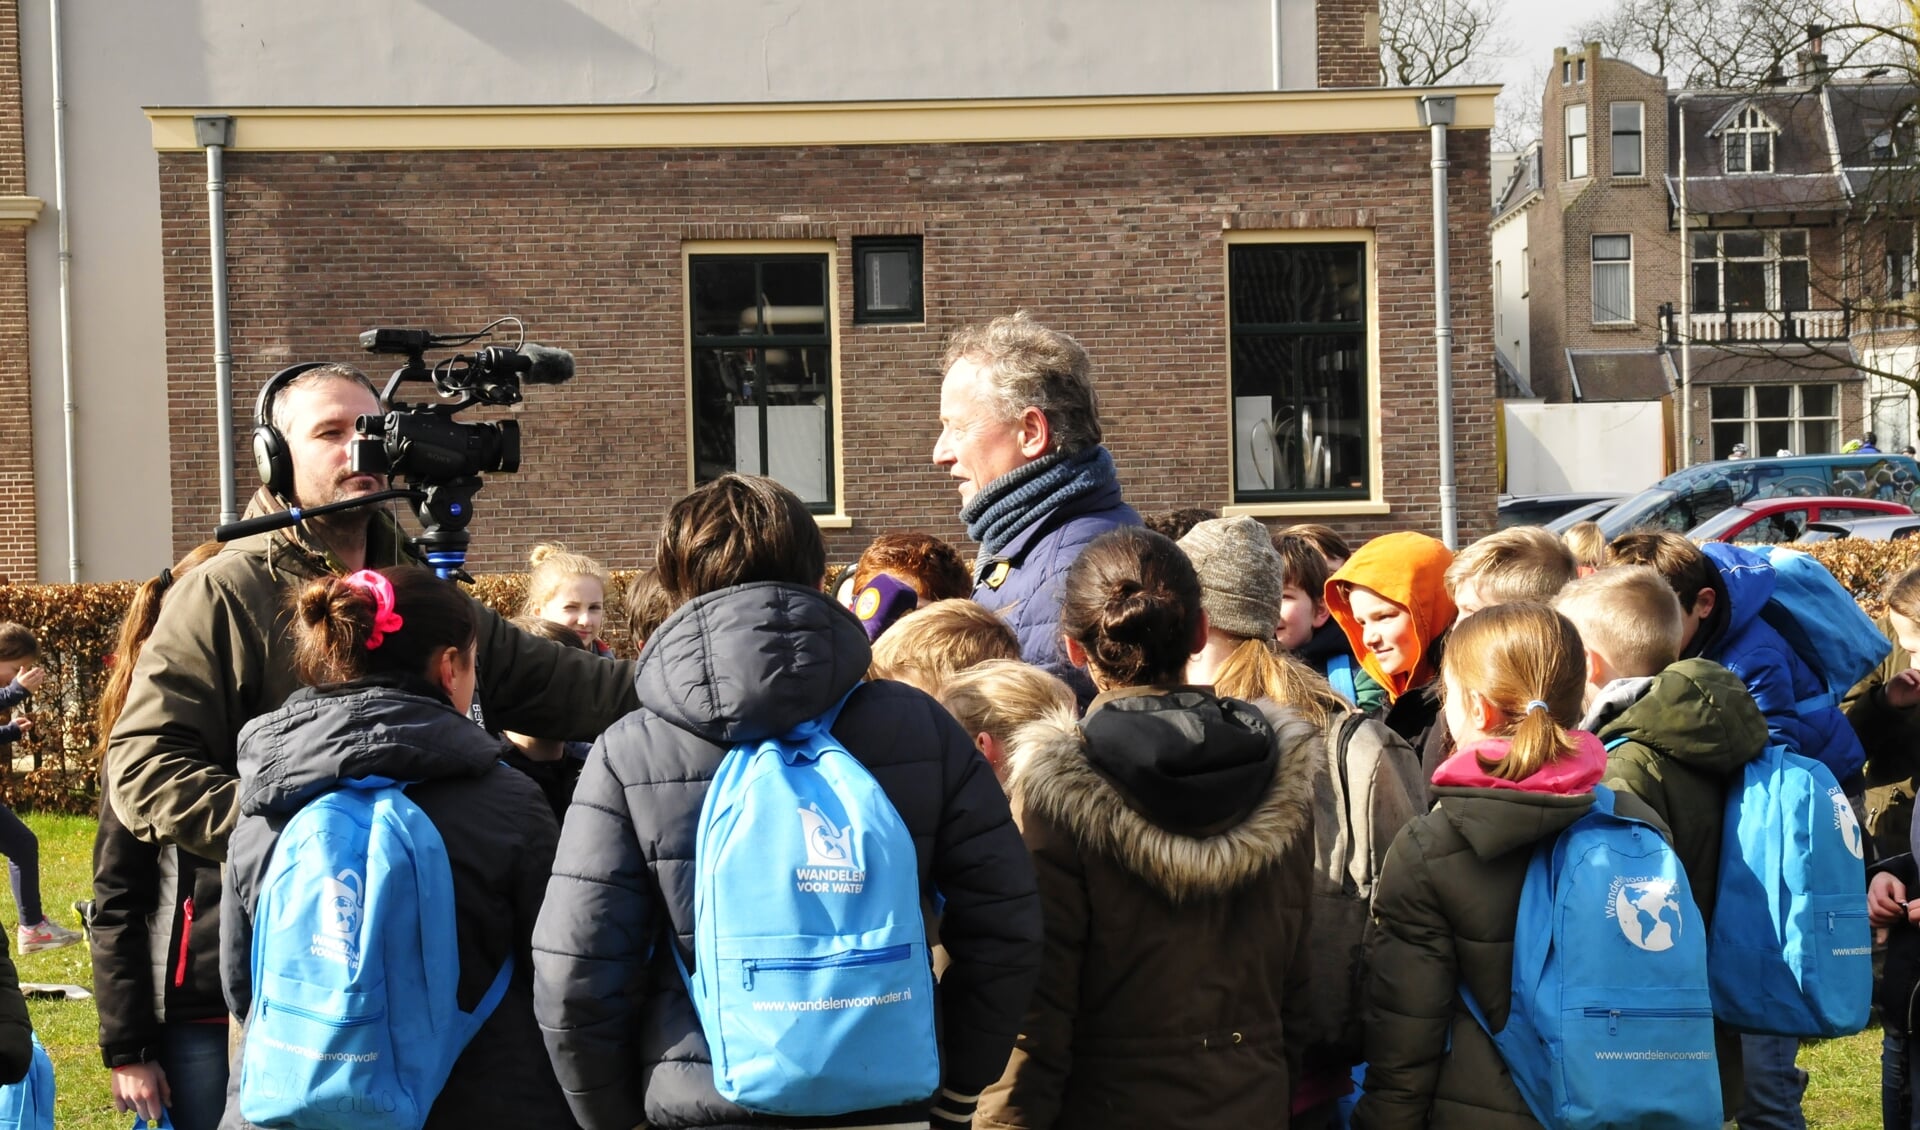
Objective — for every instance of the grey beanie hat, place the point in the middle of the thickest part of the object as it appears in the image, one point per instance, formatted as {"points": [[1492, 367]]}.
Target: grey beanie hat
{"points": [[1240, 575]]}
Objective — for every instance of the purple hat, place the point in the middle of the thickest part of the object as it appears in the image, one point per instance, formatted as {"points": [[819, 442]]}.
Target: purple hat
{"points": [[882, 602]]}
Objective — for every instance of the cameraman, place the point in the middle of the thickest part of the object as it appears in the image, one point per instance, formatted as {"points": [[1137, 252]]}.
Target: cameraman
{"points": [[221, 650]]}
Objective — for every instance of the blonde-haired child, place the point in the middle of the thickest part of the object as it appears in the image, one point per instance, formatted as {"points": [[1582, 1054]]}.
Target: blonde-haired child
{"points": [[569, 589], [1515, 675], [928, 647], [993, 699]]}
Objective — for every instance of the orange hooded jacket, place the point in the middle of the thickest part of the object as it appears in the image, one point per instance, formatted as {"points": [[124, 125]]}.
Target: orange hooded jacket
{"points": [[1409, 569]]}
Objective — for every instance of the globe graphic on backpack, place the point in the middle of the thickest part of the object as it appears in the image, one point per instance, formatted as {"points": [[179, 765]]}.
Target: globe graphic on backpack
{"points": [[1648, 914]]}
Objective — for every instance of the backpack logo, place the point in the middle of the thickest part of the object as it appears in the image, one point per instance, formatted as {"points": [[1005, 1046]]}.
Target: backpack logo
{"points": [[827, 846], [340, 899], [1647, 911], [1848, 823]]}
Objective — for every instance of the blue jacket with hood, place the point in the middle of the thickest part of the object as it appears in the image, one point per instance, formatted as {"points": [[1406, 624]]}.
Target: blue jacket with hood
{"points": [[1774, 674]]}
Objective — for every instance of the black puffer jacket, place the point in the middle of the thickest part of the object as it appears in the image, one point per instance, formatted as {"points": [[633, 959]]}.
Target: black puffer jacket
{"points": [[499, 834], [155, 940], [734, 666]]}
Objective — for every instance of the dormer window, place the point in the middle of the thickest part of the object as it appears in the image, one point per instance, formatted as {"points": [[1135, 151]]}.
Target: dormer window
{"points": [[1748, 139], [1891, 141]]}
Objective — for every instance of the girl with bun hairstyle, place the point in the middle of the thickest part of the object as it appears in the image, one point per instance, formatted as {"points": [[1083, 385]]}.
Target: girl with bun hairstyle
{"points": [[1172, 832], [1449, 892], [388, 659], [569, 589]]}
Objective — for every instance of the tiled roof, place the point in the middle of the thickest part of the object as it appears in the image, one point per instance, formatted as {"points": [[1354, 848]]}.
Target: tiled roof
{"points": [[1620, 374], [1780, 364]]}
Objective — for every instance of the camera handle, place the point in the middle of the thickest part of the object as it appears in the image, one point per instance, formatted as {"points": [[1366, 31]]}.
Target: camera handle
{"points": [[280, 520], [444, 509]]}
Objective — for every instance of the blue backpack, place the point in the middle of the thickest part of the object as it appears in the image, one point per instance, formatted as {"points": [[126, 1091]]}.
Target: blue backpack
{"points": [[1611, 1022], [1340, 678], [356, 966], [811, 974], [28, 1104], [1818, 618], [1792, 949]]}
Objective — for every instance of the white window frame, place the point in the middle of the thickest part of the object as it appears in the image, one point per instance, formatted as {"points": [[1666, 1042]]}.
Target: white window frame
{"points": [[1737, 137], [1579, 157], [1796, 418], [1610, 265], [1771, 258], [1499, 301], [1638, 134]]}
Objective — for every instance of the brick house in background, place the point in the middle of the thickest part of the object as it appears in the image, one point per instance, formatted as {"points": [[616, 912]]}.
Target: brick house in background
{"points": [[1788, 283], [769, 287]]}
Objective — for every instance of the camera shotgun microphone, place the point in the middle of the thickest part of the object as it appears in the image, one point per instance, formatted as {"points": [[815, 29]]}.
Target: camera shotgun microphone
{"points": [[546, 365]]}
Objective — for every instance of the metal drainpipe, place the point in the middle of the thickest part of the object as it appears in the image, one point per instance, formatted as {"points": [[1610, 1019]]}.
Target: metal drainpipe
{"points": [[1436, 112], [71, 407], [215, 132]]}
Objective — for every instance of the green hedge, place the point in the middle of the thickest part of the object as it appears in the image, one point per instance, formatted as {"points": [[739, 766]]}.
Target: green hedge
{"points": [[77, 625]]}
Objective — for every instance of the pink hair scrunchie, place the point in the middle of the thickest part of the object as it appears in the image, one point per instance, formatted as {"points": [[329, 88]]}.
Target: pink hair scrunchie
{"points": [[385, 619]]}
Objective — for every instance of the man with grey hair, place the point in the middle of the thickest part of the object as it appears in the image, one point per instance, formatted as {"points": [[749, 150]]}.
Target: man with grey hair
{"points": [[1020, 430]]}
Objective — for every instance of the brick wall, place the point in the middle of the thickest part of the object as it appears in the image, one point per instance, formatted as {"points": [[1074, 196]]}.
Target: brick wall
{"points": [[1349, 37], [19, 552], [1119, 242]]}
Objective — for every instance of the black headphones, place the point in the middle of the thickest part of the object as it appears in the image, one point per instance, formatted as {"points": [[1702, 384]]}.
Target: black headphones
{"points": [[270, 455]]}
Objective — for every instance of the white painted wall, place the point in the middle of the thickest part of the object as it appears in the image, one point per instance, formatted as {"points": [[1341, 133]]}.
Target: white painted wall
{"points": [[120, 57], [1554, 448], [1510, 303]]}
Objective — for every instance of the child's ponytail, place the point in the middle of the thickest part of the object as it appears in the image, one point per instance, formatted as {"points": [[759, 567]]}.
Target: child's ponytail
{"points": [[1527, 662], [390, 621]]}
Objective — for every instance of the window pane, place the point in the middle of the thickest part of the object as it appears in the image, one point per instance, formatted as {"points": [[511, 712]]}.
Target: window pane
{"points": [[1775, 401], [1816, 437], [723, 296], [1626, 155], [1795, 289], [1297, 284], [1746, 245], [722, 380], [1300, 421], [1706, 287], [1817, 400], [1736, 144], [1725, 436], [1612, 247], [1626, 117], [1576, 157], [889, 280], [1729, 402], [1612, 292], [1706, 245], [1793, 243], [1773, 437], [795, 292], [1746, 286], [1760, 145], [1774, 529]]}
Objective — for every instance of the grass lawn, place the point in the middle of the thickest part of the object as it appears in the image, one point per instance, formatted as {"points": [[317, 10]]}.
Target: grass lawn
{"points": [[1844, 1095]]}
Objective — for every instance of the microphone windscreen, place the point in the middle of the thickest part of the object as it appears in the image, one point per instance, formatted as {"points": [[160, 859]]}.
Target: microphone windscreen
{"points": [[546, 365]]}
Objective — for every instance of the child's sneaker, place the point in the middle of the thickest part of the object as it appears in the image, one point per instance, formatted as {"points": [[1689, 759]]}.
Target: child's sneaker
{"points": [[45, 935]]}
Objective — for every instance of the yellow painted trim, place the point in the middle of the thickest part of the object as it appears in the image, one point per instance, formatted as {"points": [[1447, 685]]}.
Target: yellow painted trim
{"points": [[837, 520], [1302, 509], [1375, 503], [19, 211], [360, 128]]}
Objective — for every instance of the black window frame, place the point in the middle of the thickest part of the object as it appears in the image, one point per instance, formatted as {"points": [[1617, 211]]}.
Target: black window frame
{"points": [[1637, 135], [1362, 327], [763, 340], [916, 311]]}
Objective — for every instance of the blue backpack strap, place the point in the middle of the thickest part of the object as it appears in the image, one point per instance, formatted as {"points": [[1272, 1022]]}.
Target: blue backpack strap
{"points": [[1340, 677]]}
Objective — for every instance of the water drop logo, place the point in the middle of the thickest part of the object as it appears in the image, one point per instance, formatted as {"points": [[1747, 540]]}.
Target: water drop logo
{"points": [[1848, 823], [1648, 913], [827, 844]]}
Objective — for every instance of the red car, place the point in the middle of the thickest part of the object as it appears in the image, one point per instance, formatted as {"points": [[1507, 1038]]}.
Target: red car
{"points": [[1781, 519]]}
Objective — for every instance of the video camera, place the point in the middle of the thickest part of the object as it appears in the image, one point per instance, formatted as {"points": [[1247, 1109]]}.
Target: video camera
{"points": [[441, 458]]}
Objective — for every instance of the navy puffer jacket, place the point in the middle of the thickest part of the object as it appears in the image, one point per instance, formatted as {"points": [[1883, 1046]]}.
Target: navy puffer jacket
{"points": [[735, 666]]}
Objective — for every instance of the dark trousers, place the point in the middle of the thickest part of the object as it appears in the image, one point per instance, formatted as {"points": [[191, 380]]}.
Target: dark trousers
{"points": [[22, 849]]}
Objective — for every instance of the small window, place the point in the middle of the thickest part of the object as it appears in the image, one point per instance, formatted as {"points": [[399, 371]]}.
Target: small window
{"points": [[1900, 259], [1566, 72], [1576, 141], [1580, 70], [1612, 279], [1628, 117], [886, 280]]}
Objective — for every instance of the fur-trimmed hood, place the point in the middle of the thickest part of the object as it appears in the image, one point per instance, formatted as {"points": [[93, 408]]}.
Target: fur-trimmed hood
{"points": [[1052, 775]]}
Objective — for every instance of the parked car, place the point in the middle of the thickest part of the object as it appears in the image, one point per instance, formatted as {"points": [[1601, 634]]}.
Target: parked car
{"points": [[1588, 513], [1882, 528], [1775, 521], [1687, 498], [1546, 509]]}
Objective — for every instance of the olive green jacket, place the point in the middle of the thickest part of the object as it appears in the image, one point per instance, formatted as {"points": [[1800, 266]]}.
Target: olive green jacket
{"points": [[1675, 741], [221, 654], [1892, 740]]}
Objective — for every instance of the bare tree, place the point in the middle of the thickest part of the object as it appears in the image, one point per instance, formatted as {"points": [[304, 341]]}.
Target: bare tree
{"points": [[1516, 113], [1426, 42], [1739, 44]]}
